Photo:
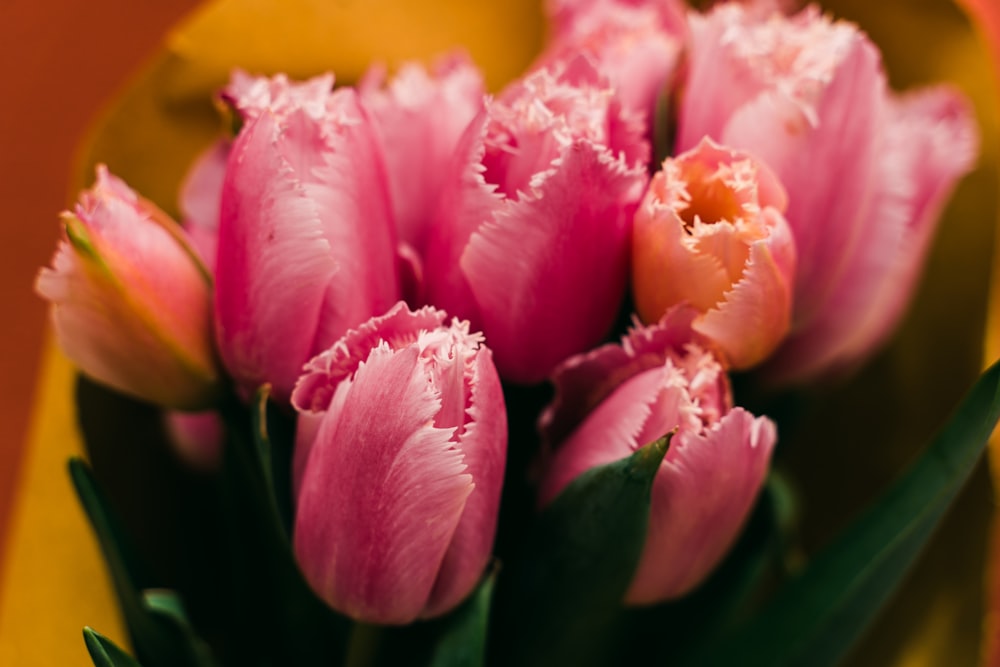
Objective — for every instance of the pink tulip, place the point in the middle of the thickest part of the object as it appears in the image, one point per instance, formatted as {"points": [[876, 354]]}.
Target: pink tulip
{"points": [[307, 246], [616, 399], [635, 44], [866, 172], [399, 455], [419, 116], [710, 233], [131, 304], [201, 201], [532, 237]]}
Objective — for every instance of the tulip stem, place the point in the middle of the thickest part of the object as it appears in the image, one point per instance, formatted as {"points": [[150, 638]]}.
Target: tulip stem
{"points": [[362, 645]]}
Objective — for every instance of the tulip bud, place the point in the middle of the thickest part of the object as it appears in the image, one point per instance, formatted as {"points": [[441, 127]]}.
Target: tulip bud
{"points": [[399, 459], [533, 233], [615, 399], [131, 304], [866, 171], [307, 248], [710, 233]]}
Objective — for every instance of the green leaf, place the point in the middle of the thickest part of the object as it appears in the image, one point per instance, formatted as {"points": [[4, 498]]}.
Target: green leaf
{"points": [[817, 617], [159, 638], [558, 600], [105, 653], [463, 641], [279, 618]]}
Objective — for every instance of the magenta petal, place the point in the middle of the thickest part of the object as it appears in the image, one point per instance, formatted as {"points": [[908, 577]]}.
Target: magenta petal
{"points": [[400, 490], [701, 497], [549, 271]]}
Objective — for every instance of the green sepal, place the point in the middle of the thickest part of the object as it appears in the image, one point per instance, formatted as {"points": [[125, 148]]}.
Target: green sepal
{"points": [[818, 616], [462, 642], [558, 600], [105, 653]]}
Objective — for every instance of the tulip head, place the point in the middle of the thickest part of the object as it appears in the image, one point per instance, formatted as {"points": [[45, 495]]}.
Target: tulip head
{"points": [[399, 463], [533, 233], [710, 233], [307, 248], [131, 304], [808, 96], [616, 399]]}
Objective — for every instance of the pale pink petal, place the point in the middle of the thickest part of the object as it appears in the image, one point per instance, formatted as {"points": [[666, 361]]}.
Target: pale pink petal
{"points": [[929, 142], [201, 200], [548, 272], [701, 497], [253, 95], [401, 488], [130, 302]]}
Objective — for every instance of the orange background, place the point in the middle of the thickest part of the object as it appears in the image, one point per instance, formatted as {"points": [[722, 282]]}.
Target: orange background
{"points": [[59, 61]]}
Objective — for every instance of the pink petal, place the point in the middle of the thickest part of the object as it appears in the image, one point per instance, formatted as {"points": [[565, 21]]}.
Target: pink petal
{"points": [[548, 272], [382, 493], [419, 118], [201, 200], [272, 277], [308, 238], [611, 432], [701, 497], [822, 118], [929, 143], [130, 303], [484, 447], [636, 46], [584, 380]]}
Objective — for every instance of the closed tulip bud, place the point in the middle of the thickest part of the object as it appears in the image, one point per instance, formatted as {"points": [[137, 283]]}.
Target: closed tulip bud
{"points": [[532, 238], [615, 399], [710, 233], [307, 248], [866, 171], [131, 304], [399, 459]]}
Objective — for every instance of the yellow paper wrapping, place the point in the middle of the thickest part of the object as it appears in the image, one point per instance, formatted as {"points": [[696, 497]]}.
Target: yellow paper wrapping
{"points": [[52, 585], [53, 580]]}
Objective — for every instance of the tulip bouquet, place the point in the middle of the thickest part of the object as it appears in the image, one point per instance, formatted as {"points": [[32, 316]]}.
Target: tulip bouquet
{"points": [[446, 376]]}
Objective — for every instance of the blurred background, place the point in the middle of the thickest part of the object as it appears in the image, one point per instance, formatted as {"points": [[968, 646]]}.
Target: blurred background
{"points": [[60, 60]]}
